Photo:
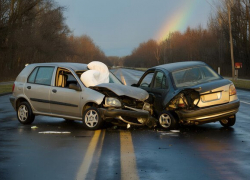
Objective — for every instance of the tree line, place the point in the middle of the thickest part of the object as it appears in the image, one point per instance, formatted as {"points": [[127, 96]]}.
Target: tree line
{"points": [[34, 31], [211, 45]]}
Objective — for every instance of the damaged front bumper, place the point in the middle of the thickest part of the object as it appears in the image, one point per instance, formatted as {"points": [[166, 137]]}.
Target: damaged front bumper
{"points": [[209, 114], [143, 117]]}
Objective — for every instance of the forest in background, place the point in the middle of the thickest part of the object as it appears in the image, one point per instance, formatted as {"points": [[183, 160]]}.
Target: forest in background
{"points": [[211, 45], [34, 31]]}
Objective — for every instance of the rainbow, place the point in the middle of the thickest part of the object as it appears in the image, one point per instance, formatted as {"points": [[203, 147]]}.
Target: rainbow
{"points": [[178, 21]]}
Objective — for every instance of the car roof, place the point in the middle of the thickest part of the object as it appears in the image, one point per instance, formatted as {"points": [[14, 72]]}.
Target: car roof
{"points": [[74, 66], [180, 65]]}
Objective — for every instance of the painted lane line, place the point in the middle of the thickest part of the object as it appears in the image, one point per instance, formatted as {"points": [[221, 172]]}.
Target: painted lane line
{"points": [[122, 78], [245, 102], [84, 168], [128, 159], [95, 162]]}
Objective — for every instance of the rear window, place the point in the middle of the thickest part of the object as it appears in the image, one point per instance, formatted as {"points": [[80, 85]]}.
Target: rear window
{"points": [[193, 76], [41, 75], [32, 76]]}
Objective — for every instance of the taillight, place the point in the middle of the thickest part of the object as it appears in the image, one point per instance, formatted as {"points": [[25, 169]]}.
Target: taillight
{"points": [[13, 87], [232, 90], [181, 103]]}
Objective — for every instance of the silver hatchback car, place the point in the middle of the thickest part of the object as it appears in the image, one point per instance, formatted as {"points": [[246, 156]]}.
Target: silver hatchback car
{"points": [[55, 89]]}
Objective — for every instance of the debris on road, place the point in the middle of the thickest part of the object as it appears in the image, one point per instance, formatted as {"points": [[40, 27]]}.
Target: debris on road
{"points": [[54, 132], [34, 127], [175, 131]]}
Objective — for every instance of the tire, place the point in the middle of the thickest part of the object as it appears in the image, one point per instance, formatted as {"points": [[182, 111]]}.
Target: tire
{"points": [[228, 122], [167, 121], [24, 113], [92, 119]]}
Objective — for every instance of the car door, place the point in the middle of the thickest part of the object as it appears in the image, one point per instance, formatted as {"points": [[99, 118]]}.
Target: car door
{"points": [[37, 88], [146, 81], [65, 101], [159, 88]]}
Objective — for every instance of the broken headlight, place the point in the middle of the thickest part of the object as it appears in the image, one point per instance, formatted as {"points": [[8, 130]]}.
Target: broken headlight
{"points": [[112, 102], [146, 107]]}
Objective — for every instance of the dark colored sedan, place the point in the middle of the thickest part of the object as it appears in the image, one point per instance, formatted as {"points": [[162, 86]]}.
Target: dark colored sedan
{"points": [[189, 93]]}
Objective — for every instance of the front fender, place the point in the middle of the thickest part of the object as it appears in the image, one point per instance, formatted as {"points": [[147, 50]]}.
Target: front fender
{"points": [[90, 95]]}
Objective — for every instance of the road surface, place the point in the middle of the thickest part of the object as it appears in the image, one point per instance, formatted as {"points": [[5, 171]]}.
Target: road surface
{"points": [[201, 152]]}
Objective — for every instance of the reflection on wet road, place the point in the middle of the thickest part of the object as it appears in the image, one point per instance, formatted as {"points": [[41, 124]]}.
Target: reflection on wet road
{"points": [[199, 152]]}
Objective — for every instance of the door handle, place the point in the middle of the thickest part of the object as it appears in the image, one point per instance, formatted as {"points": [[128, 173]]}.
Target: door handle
{"points": [[28, 87], [54, 90]]}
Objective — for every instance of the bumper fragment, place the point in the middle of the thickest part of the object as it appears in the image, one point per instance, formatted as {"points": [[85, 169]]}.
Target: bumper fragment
{"points": [[118, 113], [112, 113]]}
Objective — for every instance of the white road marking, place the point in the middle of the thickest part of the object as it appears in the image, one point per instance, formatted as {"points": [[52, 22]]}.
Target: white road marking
{"points": [[245, 102]]}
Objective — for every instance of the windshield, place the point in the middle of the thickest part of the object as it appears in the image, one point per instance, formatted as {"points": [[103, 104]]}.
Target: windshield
{"points": [[113, 79], [193, 76]]}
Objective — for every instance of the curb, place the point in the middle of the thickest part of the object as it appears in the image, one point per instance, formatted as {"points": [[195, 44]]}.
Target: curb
{"points": [[3, 94]]}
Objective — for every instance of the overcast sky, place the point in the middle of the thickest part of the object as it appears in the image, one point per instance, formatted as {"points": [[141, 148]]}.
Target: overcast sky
{"points": [[119, 26]]}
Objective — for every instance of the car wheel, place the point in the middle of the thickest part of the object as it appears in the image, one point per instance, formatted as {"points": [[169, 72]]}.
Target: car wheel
{"points": [[92, 119], [228, 122], [167, 121], [24, 113]]}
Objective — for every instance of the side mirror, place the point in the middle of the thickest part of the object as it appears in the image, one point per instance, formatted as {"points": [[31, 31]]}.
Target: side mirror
{"points": [[75, 87], [134, 85]]}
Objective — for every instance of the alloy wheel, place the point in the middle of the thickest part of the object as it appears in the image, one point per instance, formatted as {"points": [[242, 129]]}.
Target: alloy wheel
{"points": [[91, 118], [23, 113], [165, 120]]}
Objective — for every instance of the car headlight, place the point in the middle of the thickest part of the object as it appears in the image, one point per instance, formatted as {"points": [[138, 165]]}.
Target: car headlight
{"points": [[109, 101]]}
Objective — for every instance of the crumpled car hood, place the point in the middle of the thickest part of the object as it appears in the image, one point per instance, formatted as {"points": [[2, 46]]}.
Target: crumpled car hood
{"points": [[122, 90]]}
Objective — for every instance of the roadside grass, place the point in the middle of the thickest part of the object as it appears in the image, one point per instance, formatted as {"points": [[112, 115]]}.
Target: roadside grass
{"points": [[243, 84], [138, 69], [141, 69], [5, 88]]}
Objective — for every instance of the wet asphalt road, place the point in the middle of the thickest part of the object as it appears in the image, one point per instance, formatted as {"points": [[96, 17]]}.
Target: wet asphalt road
{"points": [[200, 152]]}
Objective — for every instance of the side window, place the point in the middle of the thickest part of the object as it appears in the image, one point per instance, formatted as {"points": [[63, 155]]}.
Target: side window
{"points": [[160, 81], [32, 76], [147, 80], [44, 75], [64, 78]]}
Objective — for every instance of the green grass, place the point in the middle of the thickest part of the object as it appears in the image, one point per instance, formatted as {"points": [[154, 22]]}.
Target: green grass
{"points": [[241, 84], [5, 88], [141, 69]]}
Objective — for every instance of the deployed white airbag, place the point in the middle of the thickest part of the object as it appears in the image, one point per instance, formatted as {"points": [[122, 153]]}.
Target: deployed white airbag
{"points": [[98, 73]]}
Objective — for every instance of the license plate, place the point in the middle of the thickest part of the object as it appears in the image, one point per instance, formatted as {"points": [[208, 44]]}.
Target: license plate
{"points": [[211, 97]]}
